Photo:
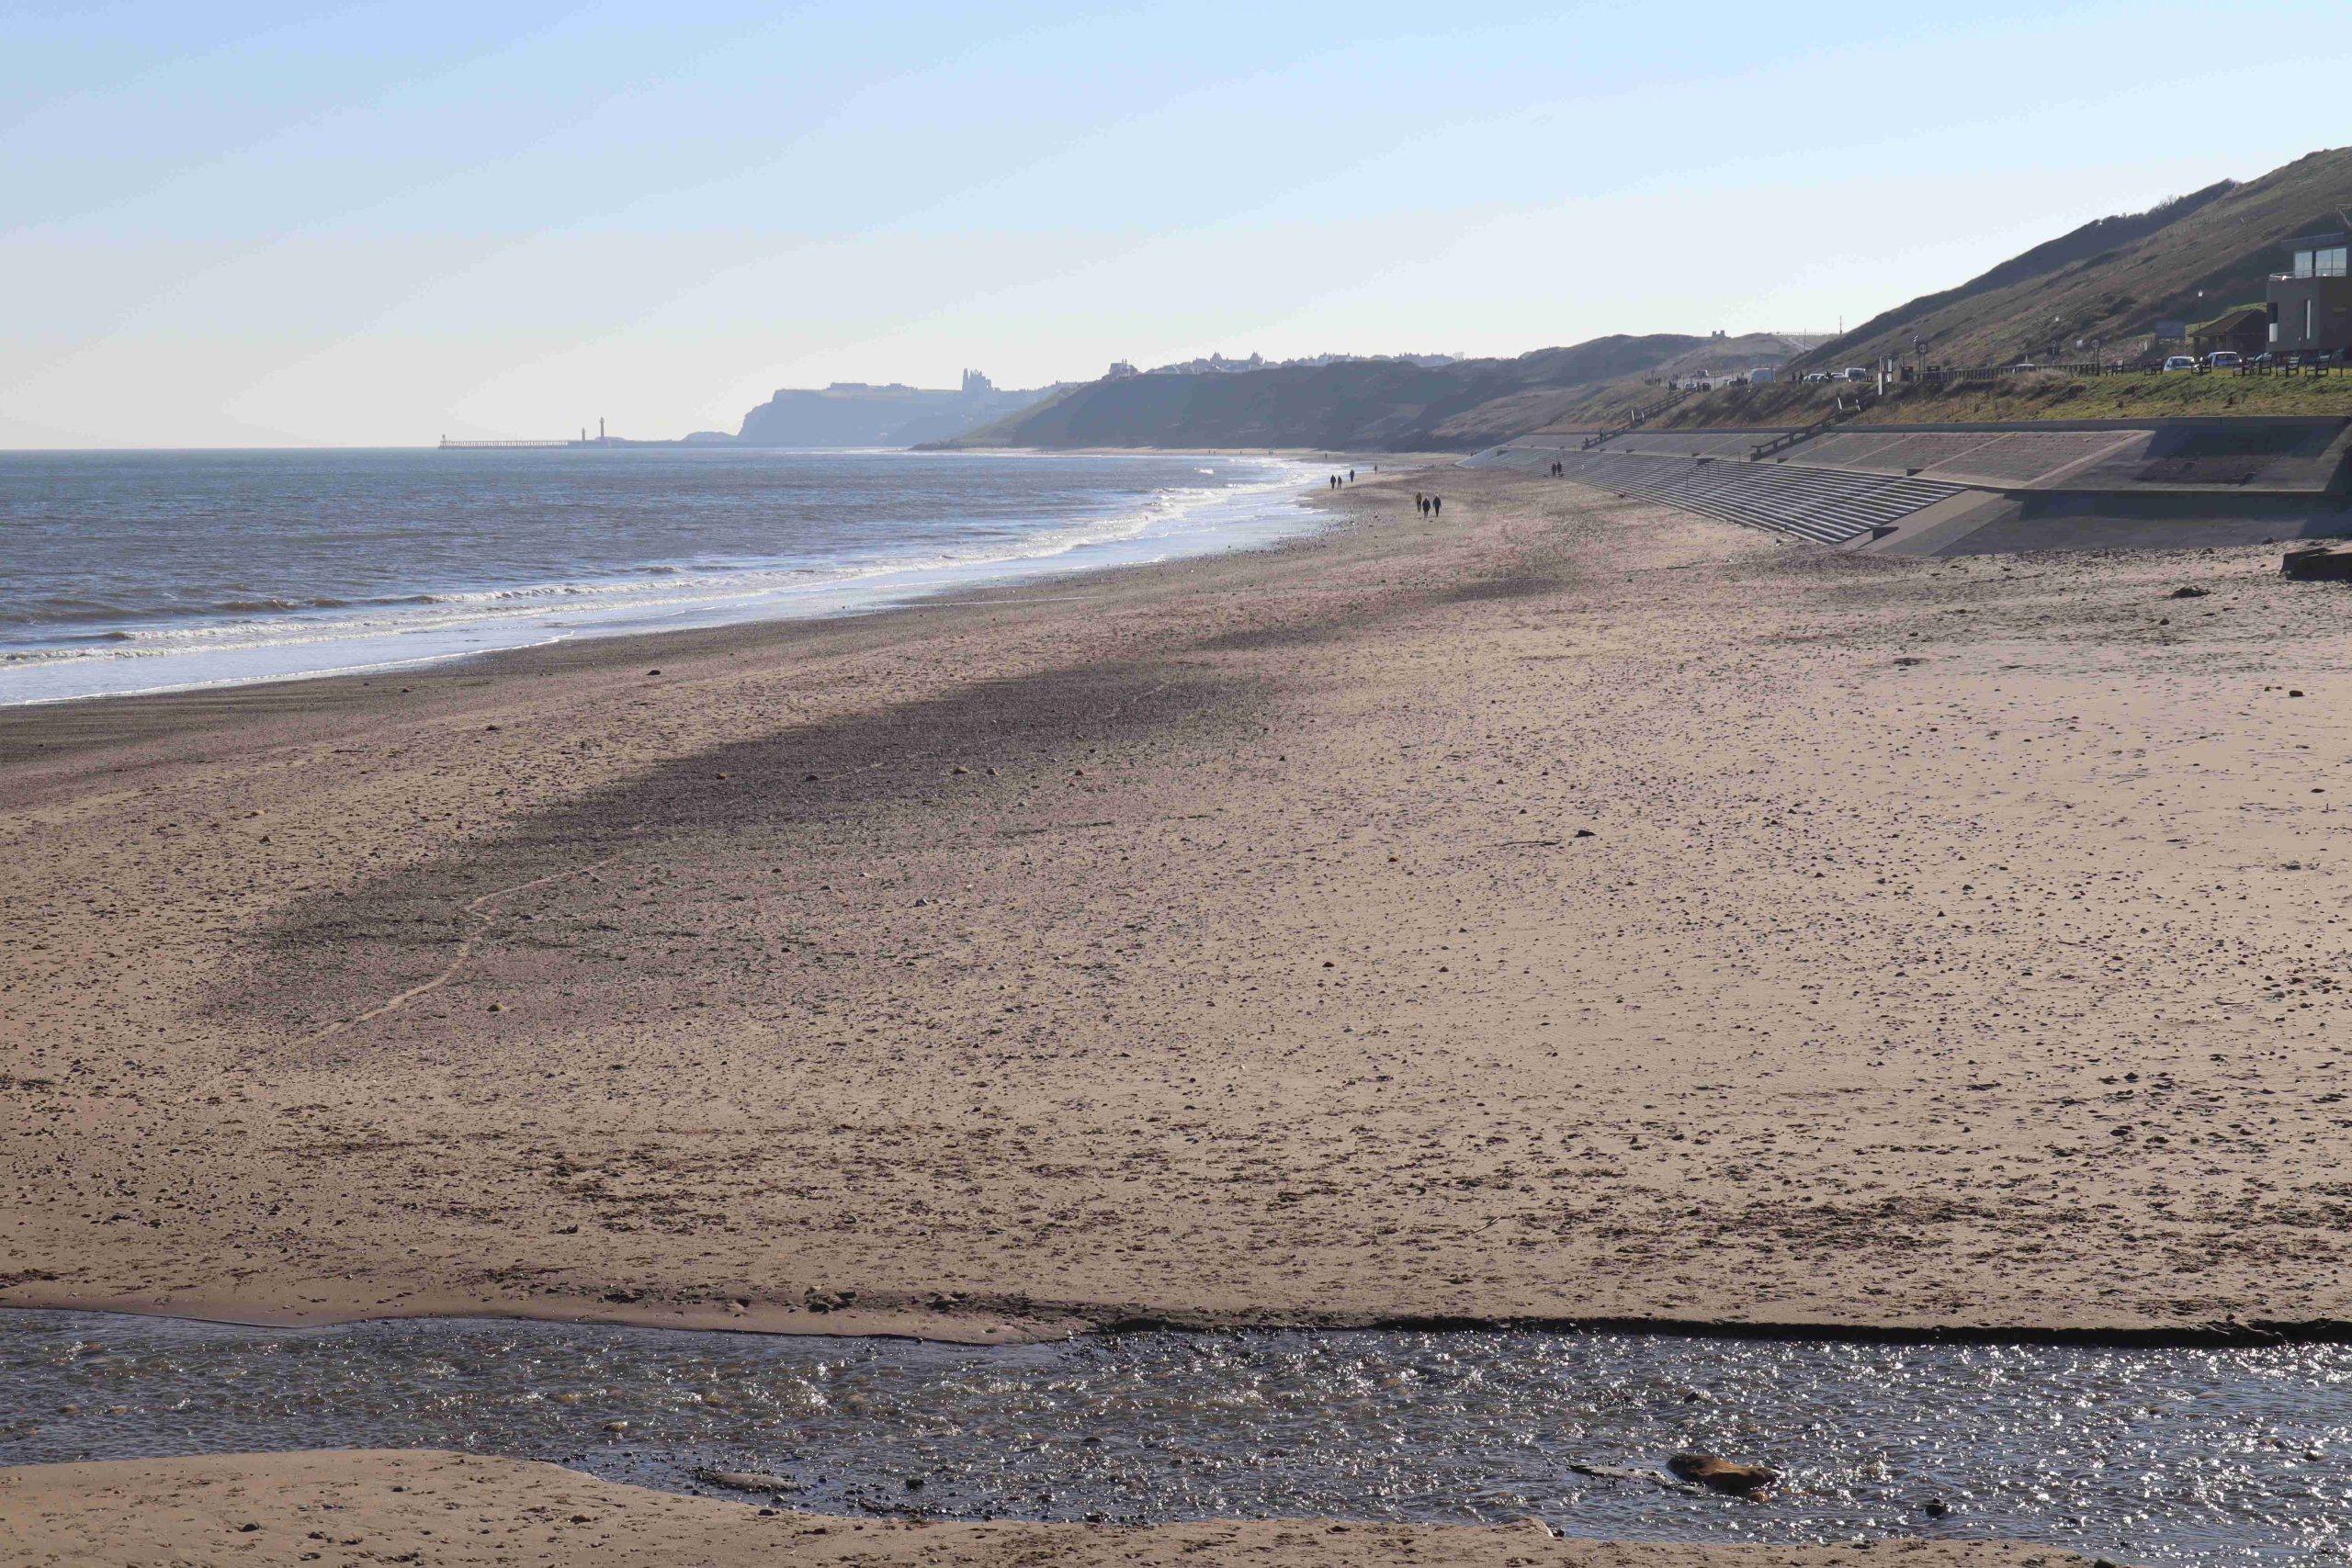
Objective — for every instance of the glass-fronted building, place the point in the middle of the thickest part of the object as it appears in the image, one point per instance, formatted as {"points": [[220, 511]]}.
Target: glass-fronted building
{"points": [[2310, 304]]}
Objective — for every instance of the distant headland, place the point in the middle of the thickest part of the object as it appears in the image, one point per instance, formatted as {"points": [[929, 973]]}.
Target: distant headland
{"points": [[846, 413]]}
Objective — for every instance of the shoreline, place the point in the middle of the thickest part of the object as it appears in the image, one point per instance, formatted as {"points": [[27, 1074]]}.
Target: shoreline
{"points": [[605, 651], [466, 1509], [868, 588], [724, 1110], [1068, 1321]]}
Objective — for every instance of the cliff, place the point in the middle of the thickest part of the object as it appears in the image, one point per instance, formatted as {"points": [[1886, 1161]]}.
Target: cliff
{"points": [[851, 413], [1366, 405]]}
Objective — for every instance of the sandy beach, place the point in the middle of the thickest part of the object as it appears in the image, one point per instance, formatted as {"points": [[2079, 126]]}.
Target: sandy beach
{"points": [[1571, 910]]}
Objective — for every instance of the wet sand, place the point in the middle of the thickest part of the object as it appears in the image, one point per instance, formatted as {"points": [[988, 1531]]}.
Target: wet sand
{"points": [[453, 1509], [1955, 945]]}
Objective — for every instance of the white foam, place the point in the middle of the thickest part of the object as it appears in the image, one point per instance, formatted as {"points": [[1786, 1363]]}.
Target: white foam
{"points": [[650, 597]]}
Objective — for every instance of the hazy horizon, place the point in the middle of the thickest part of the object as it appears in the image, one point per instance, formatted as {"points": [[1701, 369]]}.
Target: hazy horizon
{"points": [[250, 227]]}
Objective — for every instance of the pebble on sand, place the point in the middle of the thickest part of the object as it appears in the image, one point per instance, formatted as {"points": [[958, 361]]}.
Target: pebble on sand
{"points": [[1719, 1474]]}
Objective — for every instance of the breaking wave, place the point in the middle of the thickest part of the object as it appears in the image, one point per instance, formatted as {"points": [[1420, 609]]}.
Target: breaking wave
{"points": [[141, 630]]}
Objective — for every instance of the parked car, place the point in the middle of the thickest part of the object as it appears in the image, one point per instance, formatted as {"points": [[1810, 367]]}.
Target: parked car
{"points": [[2222, 359], [2025, 365], [1853, 373], [1816, 375], [2180, 362]]}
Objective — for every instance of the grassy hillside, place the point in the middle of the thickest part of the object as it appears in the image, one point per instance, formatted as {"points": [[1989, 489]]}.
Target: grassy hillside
{"points": [[2120, 397], [2112, 280], [2189, 259], [1598, 407], [1365, 406], [2152, 396]]}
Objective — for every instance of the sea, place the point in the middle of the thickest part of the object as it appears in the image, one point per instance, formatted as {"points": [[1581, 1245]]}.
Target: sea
{"points": [[143, 571]]}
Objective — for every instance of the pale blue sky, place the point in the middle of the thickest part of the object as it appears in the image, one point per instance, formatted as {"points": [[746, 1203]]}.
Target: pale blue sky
{"points": [[238, 224]]}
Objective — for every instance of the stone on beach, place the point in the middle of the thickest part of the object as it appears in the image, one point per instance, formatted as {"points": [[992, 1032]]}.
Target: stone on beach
{"points": [[1719, 1474], [2319, 563]]}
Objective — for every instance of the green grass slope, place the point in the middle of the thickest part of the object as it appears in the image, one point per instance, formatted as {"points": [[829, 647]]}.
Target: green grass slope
{"points": [[2114, 279], [2025, 397]]}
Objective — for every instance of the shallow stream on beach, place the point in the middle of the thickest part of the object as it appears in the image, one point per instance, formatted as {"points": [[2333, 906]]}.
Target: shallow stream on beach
{"points": [[2148, 1456]]}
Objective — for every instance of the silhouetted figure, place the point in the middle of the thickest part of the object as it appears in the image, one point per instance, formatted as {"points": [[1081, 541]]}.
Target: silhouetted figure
{"points": [[1437, 506], [1352, 476]]}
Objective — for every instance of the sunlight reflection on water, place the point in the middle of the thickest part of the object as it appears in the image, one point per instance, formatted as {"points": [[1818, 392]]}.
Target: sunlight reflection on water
{"points": [[2209, 1456]]}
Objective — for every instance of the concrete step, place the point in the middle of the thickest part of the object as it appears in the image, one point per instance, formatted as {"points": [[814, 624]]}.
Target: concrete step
{"points": [[1824, 505]]}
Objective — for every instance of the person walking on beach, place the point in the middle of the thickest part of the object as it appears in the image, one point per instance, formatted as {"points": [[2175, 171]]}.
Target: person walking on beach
{"points": [[1352, 476], [1437, 506]]}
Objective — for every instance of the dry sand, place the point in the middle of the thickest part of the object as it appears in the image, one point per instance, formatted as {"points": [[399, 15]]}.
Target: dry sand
{"points": [[1956, 945], [453, 1510]]}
